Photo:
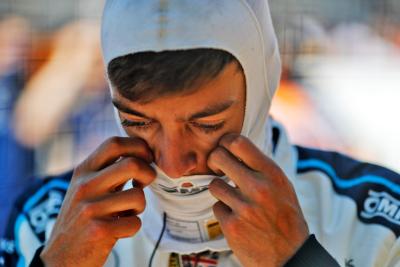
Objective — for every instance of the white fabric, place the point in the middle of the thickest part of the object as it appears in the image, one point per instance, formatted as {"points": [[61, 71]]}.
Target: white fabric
{"points": [[187, 215], [243, 28]]}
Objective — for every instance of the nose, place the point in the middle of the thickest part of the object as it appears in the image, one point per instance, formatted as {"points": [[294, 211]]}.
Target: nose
{"points": [[175, 156]]}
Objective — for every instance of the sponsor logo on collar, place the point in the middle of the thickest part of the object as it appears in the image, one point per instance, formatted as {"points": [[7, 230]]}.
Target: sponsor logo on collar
{"points": [[381, 204], [184, 189]]}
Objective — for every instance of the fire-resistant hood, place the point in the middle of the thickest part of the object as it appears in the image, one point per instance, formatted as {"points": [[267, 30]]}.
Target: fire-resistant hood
{"points": [[241, 27]]}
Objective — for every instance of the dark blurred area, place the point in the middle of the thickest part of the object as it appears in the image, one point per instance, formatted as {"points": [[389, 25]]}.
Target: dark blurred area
{"points": [[339, 88]]}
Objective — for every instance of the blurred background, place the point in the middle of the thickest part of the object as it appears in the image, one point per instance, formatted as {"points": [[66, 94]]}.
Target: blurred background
{"points": [[339, 89]]}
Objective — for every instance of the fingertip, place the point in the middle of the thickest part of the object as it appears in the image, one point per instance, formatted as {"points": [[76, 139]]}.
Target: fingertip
{"points": [[134, 223], [221, 210], [215, 182], [152, 176], [138, 222], [217, 171], [228, 139], [149, 156], [211, 187], [149, 152], [213, 158], [144, 151]]}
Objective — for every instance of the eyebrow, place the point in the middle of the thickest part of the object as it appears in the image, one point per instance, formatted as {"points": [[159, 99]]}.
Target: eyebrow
{"points": [[212, 110], [125, 109], [208, 111]]}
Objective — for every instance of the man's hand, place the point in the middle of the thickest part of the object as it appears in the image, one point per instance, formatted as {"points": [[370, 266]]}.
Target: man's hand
{"points": [[95, 212], [260, 218]]}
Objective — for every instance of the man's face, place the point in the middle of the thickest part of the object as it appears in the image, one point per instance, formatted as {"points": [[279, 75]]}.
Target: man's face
{"points": [[182, 130]]}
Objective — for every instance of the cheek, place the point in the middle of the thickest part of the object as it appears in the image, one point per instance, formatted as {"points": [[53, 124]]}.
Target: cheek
{"points": [[139, 134], [211, 140], [208, 142], [134, 133]]}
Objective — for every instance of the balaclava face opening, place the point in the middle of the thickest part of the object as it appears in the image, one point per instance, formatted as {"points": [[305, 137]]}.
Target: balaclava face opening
{"points": [[240, 27]]}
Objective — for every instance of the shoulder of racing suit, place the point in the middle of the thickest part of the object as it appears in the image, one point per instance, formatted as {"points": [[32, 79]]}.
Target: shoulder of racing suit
{"points": [[30, 217], [374, 189]]}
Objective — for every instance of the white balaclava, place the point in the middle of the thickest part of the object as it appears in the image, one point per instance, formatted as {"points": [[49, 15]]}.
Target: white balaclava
{"points": [[240, 27]]}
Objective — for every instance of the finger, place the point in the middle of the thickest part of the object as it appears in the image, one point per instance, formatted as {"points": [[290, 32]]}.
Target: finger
{"points": [[112, 177], [122, 227], [128, 200], [221, 160], [113, 149], [227, 194], [222, 212], [242, 148]]}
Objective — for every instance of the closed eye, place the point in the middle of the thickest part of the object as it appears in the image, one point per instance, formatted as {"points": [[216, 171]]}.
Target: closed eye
{"points": [[140, 125], [208, 128]]}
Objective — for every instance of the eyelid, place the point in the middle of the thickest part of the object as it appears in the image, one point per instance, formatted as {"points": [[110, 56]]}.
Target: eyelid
{"points": [[208, 127], [131, 117], [208, 121]]}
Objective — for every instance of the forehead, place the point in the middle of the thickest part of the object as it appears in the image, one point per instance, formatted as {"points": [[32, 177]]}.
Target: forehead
{"points": [[229, 85]]}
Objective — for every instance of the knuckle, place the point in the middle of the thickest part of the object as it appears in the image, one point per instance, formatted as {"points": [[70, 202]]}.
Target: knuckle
{"points": [[87, 210], [98, 230], [260, 193], [140, 143], [132, 163], [137, 223], [139, 199], [80, 169], [113, 143], [231, 227], [247, 212], [81, 190]]}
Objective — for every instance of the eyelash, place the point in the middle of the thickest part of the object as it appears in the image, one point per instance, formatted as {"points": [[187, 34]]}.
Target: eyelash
{"points": [[207, 128], [140, 125]]}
